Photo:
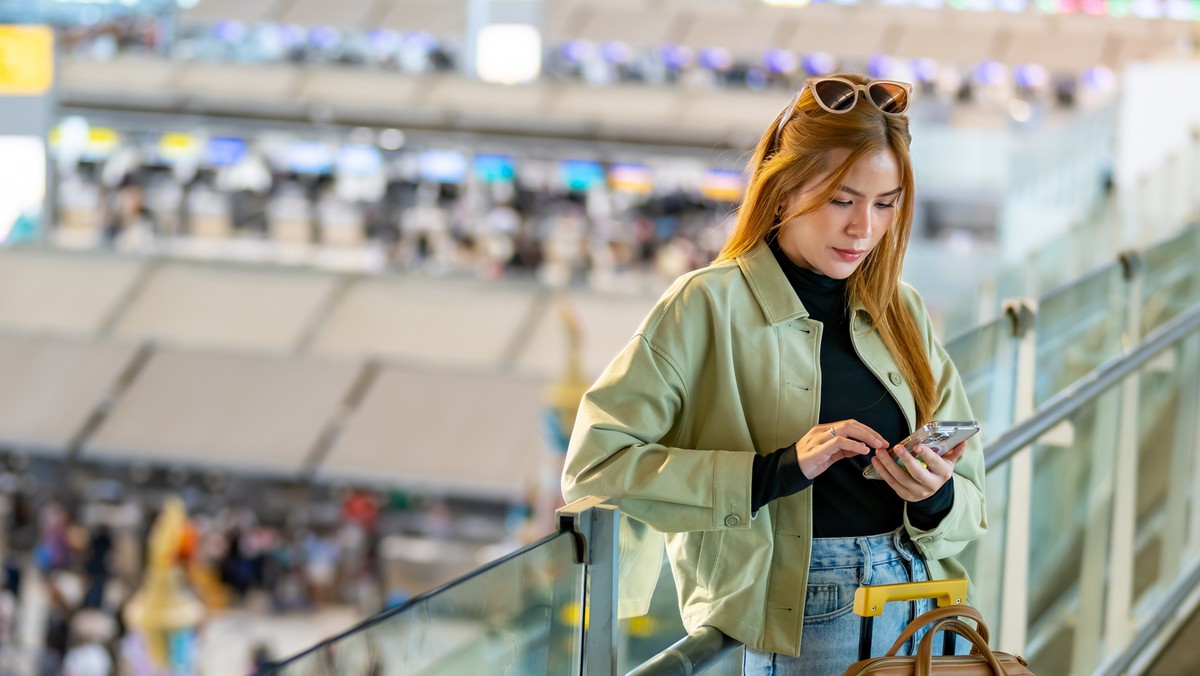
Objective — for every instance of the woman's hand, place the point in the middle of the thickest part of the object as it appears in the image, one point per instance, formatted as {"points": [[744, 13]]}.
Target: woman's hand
{"points": [[913, 481], [827, 443]]}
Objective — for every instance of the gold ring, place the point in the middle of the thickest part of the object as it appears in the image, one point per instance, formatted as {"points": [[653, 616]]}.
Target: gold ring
{"points": [[833, 431]]}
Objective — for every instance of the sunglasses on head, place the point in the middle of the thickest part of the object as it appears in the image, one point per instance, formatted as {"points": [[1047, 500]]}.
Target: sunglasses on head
{"points": [[839, 96]]}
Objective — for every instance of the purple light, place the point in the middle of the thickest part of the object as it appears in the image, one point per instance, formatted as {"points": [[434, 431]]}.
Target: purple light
{"points": [[420, 41], [819, 63], [1099, 78], [879, 66], [291, 35], [925, 70], [616, 52], [321, 37], [229, 31], [990, 72], [716, 58], [677, 56], [1031, 76], [383, 40], [780, 61], [576, 51]]}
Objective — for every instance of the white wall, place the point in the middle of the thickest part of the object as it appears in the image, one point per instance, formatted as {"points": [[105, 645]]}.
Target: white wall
{"points": [[1159, 109]]}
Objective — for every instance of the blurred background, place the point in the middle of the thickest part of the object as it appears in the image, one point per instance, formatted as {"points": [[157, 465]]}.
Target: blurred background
{"points": [[334, 275]]}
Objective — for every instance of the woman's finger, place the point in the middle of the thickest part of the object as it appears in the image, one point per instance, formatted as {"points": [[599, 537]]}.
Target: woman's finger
{"points": [[893, 474], [855, 430], [916, 467], [849, 446]]}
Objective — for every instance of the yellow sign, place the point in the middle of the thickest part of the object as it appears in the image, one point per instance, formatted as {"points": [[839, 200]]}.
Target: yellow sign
{"points": [[26, 60]]}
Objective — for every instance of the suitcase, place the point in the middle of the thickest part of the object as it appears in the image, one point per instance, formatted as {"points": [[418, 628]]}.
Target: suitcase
{"points": [[951, 597]]}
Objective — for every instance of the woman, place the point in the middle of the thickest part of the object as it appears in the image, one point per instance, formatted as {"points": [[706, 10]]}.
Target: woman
{"points": [[799, 337]]}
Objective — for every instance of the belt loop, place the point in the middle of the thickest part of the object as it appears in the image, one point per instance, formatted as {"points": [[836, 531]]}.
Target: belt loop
{"points": [[865, 548]]}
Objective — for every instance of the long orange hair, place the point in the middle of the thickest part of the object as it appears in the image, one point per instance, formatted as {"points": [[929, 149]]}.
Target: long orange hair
{"points": [[808, 138]]}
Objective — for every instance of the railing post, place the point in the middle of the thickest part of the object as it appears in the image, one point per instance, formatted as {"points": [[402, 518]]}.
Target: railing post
{"points": [[1118, 623], [1184, 469], [594, 524], [1014, 610]]}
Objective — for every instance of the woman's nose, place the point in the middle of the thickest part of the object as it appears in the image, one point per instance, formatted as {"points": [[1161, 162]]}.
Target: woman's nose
{"points": [[862, 224]]}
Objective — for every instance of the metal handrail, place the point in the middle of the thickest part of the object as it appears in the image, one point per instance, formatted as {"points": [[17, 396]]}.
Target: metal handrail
{"points": [[694, 653], [1089, 387], [691, 654]]}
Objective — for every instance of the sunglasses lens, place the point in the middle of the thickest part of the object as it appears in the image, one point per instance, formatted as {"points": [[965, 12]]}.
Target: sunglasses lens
{"points": [[835, 95], [891, 98]]}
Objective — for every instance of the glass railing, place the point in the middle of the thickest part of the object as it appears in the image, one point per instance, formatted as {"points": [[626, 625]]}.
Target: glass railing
{"points": [[519, 615]]}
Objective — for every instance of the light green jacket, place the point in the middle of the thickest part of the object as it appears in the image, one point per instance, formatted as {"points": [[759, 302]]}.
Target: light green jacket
{"points": [[727, 365]]}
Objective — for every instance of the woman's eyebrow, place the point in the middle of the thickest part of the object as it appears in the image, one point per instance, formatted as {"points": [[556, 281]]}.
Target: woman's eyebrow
{"points": [[847, 189]]}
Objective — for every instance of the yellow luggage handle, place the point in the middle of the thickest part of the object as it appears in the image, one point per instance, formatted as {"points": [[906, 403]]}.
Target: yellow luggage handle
{"points": [[868, 601]]}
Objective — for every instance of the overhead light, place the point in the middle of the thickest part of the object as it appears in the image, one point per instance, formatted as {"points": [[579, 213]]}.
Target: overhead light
{"points": [[508, 53], [391, 139]]}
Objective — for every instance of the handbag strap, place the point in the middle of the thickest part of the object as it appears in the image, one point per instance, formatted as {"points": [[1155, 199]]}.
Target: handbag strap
{"points": [[944, 612], [924, 661]]}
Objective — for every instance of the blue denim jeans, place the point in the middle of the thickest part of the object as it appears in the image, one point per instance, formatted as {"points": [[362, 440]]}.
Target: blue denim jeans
{"points": [[829, 642]]}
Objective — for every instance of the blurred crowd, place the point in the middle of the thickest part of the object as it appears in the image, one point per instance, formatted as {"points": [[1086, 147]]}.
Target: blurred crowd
{"points": [[77, 564], [594, 238]]}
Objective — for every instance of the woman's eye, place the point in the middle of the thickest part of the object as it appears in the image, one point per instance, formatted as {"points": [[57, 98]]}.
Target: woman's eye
{"points": [[841, 203], [888, 205]]}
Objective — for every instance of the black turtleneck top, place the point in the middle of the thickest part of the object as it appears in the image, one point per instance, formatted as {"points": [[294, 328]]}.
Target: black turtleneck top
{"points": [[844, 503]]}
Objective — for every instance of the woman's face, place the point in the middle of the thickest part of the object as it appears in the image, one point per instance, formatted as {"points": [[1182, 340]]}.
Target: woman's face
{"points": [[836, 238]]}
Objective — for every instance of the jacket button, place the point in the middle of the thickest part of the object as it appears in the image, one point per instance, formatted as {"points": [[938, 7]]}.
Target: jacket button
{"points": [[895, 378], [732, 520]]}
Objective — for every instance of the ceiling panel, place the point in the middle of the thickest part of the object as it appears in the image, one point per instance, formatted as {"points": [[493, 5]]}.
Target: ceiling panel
{"points": [[345, 14], [427, 322], [461, 95], [1071, 53], [431, 16], [246, 11], [473, 434], [748, 34], [46, 291], [227, 307], [223, 81], [862, 42], [615, 103], [636, 28], [351, 87], [51, 386], [963, 46], [236, 412], [606, 322]]}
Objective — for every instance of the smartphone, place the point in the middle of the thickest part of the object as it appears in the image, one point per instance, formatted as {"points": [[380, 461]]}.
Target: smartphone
{"points": [[939, 435]]}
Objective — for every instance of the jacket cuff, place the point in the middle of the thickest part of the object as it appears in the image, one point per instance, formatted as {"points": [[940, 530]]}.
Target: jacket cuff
{"points": [[732, 477]]}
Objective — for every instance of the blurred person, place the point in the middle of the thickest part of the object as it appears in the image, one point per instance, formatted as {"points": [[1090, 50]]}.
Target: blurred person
{"points": [[20, 538], [799, 337], [97, 564], [321, 554]]}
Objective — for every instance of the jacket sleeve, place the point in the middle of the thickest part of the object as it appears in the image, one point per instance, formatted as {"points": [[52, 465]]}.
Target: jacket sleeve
{"points": [[617, 450], [967, 519]]}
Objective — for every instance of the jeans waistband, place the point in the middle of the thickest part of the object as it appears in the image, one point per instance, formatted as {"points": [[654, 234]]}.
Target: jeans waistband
{"points": [[862, 550]]}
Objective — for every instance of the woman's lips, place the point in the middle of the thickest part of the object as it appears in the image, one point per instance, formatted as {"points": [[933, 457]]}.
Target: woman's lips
{"points": [[849, 255]]}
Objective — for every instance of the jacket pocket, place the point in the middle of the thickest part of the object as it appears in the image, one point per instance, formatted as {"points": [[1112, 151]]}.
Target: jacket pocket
{"points": [[830, 592]]}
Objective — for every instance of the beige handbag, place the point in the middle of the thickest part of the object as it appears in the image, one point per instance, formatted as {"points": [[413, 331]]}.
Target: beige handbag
{"points": [[982, 660]]}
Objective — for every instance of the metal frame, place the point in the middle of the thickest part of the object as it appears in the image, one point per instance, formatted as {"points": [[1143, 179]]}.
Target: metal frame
{"points": [[593, 522]]}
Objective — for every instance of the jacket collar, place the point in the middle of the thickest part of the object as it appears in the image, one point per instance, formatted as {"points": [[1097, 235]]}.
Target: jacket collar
{"points": [[770, 286], [772, 289]]}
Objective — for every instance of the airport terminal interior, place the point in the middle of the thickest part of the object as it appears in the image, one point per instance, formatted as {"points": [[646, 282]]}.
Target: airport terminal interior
{"points": [[298, 300]]}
